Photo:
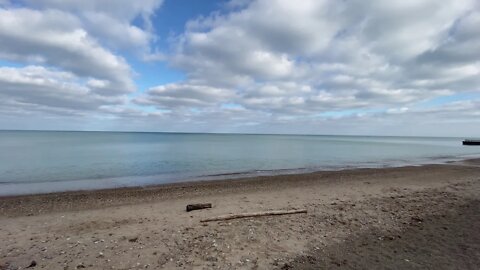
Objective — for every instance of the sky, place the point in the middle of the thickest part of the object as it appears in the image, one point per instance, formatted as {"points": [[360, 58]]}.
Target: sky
{"points": [[353, 67]]}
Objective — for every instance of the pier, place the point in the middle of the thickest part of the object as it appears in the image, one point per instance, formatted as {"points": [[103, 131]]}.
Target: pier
{"points": [[471, 142]]}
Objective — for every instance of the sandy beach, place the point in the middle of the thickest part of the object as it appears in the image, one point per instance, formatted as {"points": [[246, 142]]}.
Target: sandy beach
{"points": [[417, 217]]}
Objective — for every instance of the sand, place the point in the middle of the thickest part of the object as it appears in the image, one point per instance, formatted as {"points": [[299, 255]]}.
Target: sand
{"points": [[422, 217]]}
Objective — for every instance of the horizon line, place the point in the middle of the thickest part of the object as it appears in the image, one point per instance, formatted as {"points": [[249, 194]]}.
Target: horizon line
{"points": [[228, 133]]}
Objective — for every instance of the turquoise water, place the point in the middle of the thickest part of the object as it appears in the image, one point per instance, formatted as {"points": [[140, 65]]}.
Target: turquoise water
{"points": [[40, 161]]}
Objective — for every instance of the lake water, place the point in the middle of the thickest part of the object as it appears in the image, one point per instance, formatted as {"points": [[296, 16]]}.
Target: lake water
{"points": [[42, 161]]}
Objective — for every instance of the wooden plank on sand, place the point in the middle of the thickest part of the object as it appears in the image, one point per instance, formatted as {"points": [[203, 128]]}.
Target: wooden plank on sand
{"points": [[255, 214]]}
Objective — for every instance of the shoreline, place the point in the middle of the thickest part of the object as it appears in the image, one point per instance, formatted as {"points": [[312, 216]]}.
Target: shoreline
{"points": [[414, 217], [229, 176], [138, 194]]}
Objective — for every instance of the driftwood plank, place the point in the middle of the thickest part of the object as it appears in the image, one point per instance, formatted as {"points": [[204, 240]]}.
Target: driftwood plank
{"points": [[256, 214], [198, 206]]}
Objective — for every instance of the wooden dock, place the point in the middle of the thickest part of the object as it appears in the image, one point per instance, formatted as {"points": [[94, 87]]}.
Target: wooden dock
{"points": [[471, 142]]}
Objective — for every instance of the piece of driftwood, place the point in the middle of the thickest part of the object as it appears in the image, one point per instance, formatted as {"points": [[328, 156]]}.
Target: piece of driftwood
{"points": [[256, 214], [198, 206]]}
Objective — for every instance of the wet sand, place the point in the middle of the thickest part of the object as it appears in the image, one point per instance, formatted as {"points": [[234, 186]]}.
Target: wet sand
{"points": [[424, 217]]}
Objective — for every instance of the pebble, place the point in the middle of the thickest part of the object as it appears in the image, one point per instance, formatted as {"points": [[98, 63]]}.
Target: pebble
{"points": [[133, 239], [32, 264]]}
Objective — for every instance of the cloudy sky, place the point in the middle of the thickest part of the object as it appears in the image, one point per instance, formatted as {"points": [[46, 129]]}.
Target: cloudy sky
{"points": [[404, 67]]}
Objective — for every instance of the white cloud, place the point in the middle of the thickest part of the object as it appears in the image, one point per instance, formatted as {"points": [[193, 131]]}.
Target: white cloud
{"points": [[121, 9], [80, 36], [50, 90], [349, 54], [67, 55], [319, 31], [116, 33], [263, 65], [179, 96], [110, 21], [56, 39]]}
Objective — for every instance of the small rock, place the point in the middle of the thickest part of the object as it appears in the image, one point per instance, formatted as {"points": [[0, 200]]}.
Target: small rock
{"points": [[211, 259], [32, 264], [417, 219], [133, 239]]}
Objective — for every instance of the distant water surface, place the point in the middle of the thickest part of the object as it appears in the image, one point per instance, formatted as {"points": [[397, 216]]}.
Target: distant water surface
{"points": [[41, 161]]}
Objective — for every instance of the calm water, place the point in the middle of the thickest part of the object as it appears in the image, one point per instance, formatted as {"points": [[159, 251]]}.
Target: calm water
{"points": [[37, 161]]}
